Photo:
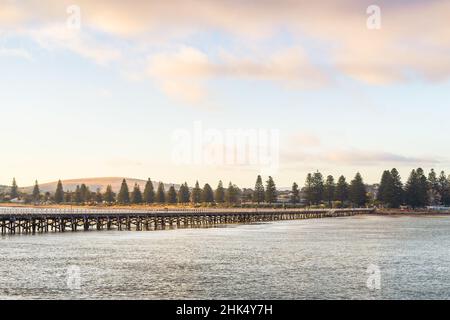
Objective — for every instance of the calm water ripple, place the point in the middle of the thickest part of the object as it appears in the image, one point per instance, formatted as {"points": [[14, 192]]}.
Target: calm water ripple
{"points": [[303, 259]]}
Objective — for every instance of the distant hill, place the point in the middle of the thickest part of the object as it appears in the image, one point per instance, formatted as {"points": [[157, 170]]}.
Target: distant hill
{"points": [[96, 183], [3, 188]]}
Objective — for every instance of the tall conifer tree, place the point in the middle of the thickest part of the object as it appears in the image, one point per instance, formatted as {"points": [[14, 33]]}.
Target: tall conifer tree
{"points": [[207, 194], [124, 194], [149, 192], [271, 191], [232, 194], [259, 193], [160, 194], [184, 194], [172, 195], [434, 194], [397, 196], [317, 188], [14, 193], [84, 193], [98, 196], [308, 189], [329, 190], [357, 192], [342, 190], [36, 192], [295, 194], [136, 195], [196, 193], [444, 189], [59, 193], [109, 195], [385, 184], [219, 194]]}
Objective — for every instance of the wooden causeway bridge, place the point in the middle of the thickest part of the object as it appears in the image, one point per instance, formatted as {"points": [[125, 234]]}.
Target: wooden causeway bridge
{"points": [[34, 220]]}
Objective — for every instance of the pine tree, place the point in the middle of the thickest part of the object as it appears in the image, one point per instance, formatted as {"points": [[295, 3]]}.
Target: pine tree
{"points": [[308, 189], [357, 192], [411, 190], [397, 195], [172, 195], [444, 189], [59, 193], [84, 192], [329, 190], [423, 188], [342, 190], [180, 194], [317, 188], [136, 195], [433, 183], [184, 195], [416, 190], [14, 193], [232, 194], [271, 191], [160, 194], [149, 192], [207, 194], [295, 194], [259, 193], [77, 195], [36, 193], [433, 180], [219, 195], [196, 194], [390, 191], [109, 196], [98, 196], [124, 194], [385, 184]]}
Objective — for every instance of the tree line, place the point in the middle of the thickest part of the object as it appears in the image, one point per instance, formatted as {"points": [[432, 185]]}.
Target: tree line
{"points": [[419, 191], [184, 195], [318, 190]]}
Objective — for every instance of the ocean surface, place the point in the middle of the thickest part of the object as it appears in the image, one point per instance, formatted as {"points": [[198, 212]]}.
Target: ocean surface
{"points": [[361, 257]]}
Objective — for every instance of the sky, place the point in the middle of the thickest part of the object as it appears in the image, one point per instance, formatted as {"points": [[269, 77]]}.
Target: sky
{"points": [[155, 89]]}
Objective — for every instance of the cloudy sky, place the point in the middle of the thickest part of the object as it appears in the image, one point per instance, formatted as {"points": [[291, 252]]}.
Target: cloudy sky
{"points": [[100, 88]]}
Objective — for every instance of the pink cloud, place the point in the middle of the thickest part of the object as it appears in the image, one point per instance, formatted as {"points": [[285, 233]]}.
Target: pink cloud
{"points": [[414, 39]]}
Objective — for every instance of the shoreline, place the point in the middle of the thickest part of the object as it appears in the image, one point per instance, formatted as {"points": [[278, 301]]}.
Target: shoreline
{"points": [[382, 212]]}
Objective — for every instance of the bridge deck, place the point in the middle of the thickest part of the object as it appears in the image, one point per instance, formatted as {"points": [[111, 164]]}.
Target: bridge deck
{"points": [[32, 220]]}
